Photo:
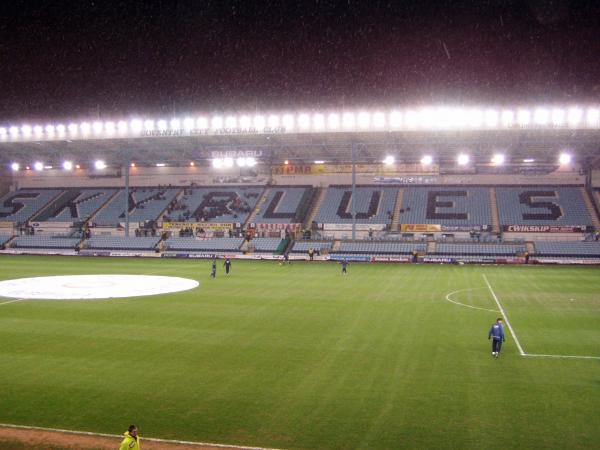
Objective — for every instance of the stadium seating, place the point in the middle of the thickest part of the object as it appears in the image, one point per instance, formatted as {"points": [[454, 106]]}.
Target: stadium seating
{"points": [[542, 205], [452, 206], [75, 205], [45, 241], [23, 204], [374, 205], [265, 244], [381, 247], [568, 248], [121, 243], [205, 245], [216, 204], [284, 205], [305, 246], [144, 203], [4, 238], [479, 249]]}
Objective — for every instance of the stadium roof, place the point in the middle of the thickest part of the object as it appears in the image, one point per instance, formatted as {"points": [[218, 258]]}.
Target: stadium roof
{"points": [[539, 133]]}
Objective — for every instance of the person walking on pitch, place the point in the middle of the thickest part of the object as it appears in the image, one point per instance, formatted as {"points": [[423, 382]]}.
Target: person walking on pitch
{"points": [[213, 270], [227, 265], [496, 334]]}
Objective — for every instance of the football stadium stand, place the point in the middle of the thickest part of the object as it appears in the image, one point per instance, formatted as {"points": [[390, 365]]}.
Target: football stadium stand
{"points": [[4, 238], [450, 206], [374, 205], [265, 245], [75, 205], [284, 205], [45, 241], [144, 204], [579, 249], [121, 243], [305, 246], [204, 245], [214, 204], [381, 248], [479, 249], [542, 205], [22, 205]]}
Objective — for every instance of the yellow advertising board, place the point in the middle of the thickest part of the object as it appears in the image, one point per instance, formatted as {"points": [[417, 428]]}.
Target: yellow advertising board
{"points": [[420, 228], [197, 225]]}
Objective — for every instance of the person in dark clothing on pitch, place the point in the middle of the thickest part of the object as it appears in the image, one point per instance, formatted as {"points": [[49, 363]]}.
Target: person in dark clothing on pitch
{"points": [[497, 335], [213, 270], [227, 265], [344, 264]]}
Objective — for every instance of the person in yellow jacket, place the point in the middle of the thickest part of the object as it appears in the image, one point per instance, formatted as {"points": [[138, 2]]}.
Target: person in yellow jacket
{"points": [[131, 441]]}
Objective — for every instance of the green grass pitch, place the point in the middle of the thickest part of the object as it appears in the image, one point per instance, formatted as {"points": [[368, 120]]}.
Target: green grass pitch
{"points": [[302, 357]]}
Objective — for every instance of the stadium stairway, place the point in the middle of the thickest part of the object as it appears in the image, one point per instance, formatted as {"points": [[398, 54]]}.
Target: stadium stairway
{"points": [[259, 204], [336, 246], [589, 203], [431, 247], [494, 210], [530, 248], [397, 207], [106, 203], [43, 210], [319, 197]]}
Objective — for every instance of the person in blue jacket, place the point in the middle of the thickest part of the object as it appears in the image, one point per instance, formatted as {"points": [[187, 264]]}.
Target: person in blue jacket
{"points": [[496, 334]]}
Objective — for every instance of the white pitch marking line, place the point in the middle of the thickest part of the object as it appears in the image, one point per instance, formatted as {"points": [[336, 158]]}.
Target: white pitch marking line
{"points": [[467, 306], [522, 353], [119, 436], [561, 356], [12, 301]]}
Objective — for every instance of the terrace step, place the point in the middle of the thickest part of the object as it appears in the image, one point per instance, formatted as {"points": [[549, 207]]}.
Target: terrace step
{"points": [[494, 210], [259, 204], [397, 207], [530, 247], [336, 245], [590, 207], [106, 203], [315, 207], [430, 247]]}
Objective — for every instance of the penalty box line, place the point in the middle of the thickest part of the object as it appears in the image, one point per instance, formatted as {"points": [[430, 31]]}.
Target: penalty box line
{"points": [[512, 331]]}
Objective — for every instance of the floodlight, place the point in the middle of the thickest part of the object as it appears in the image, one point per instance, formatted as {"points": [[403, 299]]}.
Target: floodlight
{"points": [[26, 130], [161, 125], [348, 120], [241, 162], [49, 129], [491, 118], [39, 166], [288, 121], [84, 127], [564, 159], [574, 116], [230, 122], [593, 117], [523, 117], [462, 159], [2, 131], [273, 121], [72, 128], [175, 124], [77, 166], [122, 126], [148, 125], [558, 116], [508, 118], [364, 120], [136, 125], [426, 160], [109, 127], [528, 160], [319, 161], [97, 127], [245, 122], [318, 122], [250, 162], [67, 165], [202, 123], [48, 167], [15, 166], [99, 164], [411, 118], [14, 131], [216, 122], [498, 159], [459, 117], [378, 120], [474, 118], [389, 160], [228, 162], [304, 121], [259, 122], [333, 121], [132, 164], [217, 163], [541, 116], [286, 162], [192, 163], [188, 124], [395, 119], [160, 164]]}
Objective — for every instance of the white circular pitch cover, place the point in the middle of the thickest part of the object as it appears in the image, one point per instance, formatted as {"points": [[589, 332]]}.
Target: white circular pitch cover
{"points": [[88, 287]]}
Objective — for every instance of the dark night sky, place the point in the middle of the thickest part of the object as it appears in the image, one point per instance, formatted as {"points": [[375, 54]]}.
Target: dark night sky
{"points": [[114, 58]]}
